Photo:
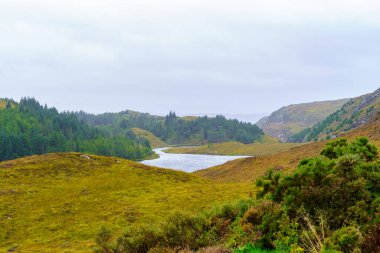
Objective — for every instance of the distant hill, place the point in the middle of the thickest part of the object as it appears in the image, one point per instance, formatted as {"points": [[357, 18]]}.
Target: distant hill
{"points": [[58, 202], [292, 119], [175, 130], [355, 113], [249, 169]]}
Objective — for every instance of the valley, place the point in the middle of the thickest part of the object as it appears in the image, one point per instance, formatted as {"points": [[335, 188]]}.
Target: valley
{"points": [[69, 197]]}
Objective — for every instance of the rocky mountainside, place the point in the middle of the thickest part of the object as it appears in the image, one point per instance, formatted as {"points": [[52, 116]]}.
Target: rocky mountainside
{"points": [[355, 113], [292, 119]]}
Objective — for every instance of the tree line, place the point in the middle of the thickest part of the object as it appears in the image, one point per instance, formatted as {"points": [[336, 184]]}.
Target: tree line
{"points": [[177, 130], [28, 128]]}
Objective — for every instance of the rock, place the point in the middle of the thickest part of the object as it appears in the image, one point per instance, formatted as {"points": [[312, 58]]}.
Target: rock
{"points": [[85, 157]]}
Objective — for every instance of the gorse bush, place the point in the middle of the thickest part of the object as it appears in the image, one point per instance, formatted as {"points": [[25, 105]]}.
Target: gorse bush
{"points": [[330, 203]]}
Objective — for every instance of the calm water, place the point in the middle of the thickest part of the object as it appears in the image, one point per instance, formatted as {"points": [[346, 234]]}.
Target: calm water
{"points": [[188, 163]]}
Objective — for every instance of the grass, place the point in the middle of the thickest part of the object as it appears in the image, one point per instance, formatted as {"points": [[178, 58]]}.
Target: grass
{"points": [[58, 202], [154, 141], [249, 169], [236, 148]]}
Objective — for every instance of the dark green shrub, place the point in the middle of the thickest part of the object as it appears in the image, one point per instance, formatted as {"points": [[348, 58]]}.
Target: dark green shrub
{"points": [[347, 239], [139, 239], [183, 230], [103, 240], [371, 240], [261, 222]]}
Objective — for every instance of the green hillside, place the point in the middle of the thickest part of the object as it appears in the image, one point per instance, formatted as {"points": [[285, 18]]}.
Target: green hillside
{"points": [[58, 202], [292, 119], [154, 141], [356, 112], [28, 128], [175, 130]]}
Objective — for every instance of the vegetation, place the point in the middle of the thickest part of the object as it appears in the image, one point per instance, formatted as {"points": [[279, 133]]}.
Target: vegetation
{"points": [[58, 202], [292, 119], [174, 130], [29, 128], [354, 113], [235, 148], [153, 140], [330, 203]]}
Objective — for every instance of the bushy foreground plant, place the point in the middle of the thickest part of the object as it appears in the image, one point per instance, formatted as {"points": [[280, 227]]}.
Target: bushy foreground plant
{"points": [[329, 203]]}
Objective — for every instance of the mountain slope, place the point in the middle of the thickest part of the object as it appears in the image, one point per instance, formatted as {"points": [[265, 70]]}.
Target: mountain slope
{"points": [[292, 119], [249, 169], [356, 112], [58, 202]]}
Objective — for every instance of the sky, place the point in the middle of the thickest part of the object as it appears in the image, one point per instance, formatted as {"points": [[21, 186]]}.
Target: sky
{"points": [[240, 57]]}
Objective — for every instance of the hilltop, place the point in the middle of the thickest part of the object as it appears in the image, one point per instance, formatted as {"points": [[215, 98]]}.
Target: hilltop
{"points": [[355, 113], [249, 169], [292, 119], [58, 202]]}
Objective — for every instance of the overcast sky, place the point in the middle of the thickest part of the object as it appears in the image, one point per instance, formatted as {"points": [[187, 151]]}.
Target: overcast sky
{"points": [[191, 56]]}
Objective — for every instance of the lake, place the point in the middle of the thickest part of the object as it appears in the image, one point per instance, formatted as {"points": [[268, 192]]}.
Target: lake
{"points": [[187, 162]]}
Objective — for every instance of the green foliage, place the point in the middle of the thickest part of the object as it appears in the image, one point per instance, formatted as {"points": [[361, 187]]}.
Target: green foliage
{"points": [[260, 223], [360, 146], [347, 239], [103, 240], [249, 248], [29, 128], [139, 239]]}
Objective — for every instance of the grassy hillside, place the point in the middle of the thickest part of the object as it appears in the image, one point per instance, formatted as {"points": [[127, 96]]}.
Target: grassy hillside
{"points": [[356, 112], [292, 119], [154, 141], [235, 148], [249, 169], [58, 202]]}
